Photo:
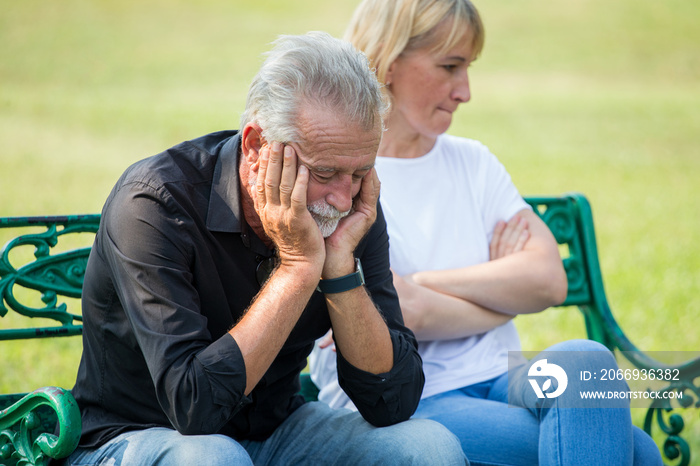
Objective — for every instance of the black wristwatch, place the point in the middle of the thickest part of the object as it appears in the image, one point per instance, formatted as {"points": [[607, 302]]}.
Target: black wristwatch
{"points": [[344, 283]]}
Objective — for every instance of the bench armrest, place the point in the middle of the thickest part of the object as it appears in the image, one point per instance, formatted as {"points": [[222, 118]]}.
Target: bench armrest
{"points": [[27, 427]]}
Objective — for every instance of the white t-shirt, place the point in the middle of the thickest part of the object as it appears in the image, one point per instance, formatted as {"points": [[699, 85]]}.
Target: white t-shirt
{"points": [[441, 210]]}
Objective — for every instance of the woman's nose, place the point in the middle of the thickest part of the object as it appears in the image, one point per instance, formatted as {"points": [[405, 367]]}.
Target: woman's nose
{"points": [[462, 92]]}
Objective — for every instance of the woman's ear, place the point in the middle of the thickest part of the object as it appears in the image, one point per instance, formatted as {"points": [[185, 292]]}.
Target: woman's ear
{"points": [[389, 74], [251, 142]]}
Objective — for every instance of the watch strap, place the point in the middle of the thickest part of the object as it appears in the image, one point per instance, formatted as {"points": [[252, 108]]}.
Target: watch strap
{"points": [[344, 283]]}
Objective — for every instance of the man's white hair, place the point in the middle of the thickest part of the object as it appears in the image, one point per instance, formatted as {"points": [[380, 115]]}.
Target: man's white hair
{"points": [[315, 69]]}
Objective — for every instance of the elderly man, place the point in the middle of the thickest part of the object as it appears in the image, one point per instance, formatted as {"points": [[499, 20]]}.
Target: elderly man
{"points": [[219, 262]]}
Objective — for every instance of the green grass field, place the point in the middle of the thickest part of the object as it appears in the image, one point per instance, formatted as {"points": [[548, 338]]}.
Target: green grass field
{"points": [[585, 95]]}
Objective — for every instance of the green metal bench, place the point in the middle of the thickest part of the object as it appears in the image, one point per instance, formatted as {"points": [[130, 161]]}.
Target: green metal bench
{"points": [[29, 423]]}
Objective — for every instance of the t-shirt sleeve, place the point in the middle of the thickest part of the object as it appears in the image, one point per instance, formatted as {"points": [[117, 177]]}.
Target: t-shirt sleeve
{"points": [[499, 198]]}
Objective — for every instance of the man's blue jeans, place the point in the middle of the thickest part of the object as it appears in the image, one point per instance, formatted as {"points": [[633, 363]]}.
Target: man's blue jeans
{"points": [[315, 434], [492, 432]]}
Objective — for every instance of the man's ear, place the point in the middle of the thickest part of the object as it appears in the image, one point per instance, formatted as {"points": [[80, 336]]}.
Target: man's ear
{"points": [[251, 142]]}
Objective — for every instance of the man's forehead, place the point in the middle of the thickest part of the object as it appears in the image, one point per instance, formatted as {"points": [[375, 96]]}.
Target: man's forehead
{"points": [[330, 148], [334, 156], [319, 125]]}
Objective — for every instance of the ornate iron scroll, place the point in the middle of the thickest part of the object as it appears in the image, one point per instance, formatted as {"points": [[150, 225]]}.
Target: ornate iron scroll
{"points": [[558, 213], [52, 275], [670, 423], [25, 427]]}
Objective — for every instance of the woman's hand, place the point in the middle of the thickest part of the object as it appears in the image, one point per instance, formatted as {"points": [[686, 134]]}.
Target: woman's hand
{"points": [[509, 237]]}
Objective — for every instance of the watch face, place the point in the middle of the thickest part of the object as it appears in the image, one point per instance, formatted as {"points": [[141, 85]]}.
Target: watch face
{"points": [[358, 269]]}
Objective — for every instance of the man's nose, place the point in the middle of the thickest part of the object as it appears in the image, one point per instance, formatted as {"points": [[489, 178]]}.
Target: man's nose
{"points": [[341, 193]]}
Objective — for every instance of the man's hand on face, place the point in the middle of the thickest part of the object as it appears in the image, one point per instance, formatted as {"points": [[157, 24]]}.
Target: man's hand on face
{"points": [[341, 245], [281, 204]]}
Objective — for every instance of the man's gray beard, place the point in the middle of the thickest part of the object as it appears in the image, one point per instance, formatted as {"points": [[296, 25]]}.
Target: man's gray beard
{"points": [[326, 216]]}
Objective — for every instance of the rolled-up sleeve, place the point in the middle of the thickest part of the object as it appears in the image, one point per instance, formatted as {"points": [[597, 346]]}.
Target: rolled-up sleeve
{"points": [[388, 398], [391, 397]]}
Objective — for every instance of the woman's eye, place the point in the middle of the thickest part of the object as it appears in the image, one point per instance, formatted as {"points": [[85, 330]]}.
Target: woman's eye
{"points": [[450, 68]]}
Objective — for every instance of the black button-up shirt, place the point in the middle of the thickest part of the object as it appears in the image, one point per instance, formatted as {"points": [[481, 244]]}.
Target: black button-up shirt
{"points": [[173, 268]]}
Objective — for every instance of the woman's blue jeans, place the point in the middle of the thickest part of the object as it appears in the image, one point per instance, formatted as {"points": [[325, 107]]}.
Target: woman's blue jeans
{"points": [[315, 434], [494, 432]]}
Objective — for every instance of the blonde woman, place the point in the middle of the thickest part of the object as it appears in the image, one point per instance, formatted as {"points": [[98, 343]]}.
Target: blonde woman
{"points": [[468, 255]]}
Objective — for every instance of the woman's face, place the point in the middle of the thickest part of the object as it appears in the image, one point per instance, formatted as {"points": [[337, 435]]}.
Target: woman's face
{"points": [[427, 88]]}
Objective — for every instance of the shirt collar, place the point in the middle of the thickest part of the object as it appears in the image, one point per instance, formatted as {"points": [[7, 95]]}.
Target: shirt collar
{"points": [[224, 213]]}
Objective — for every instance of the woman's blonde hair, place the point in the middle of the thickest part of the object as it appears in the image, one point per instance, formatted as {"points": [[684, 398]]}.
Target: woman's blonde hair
{"points": [[384, 29]]}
